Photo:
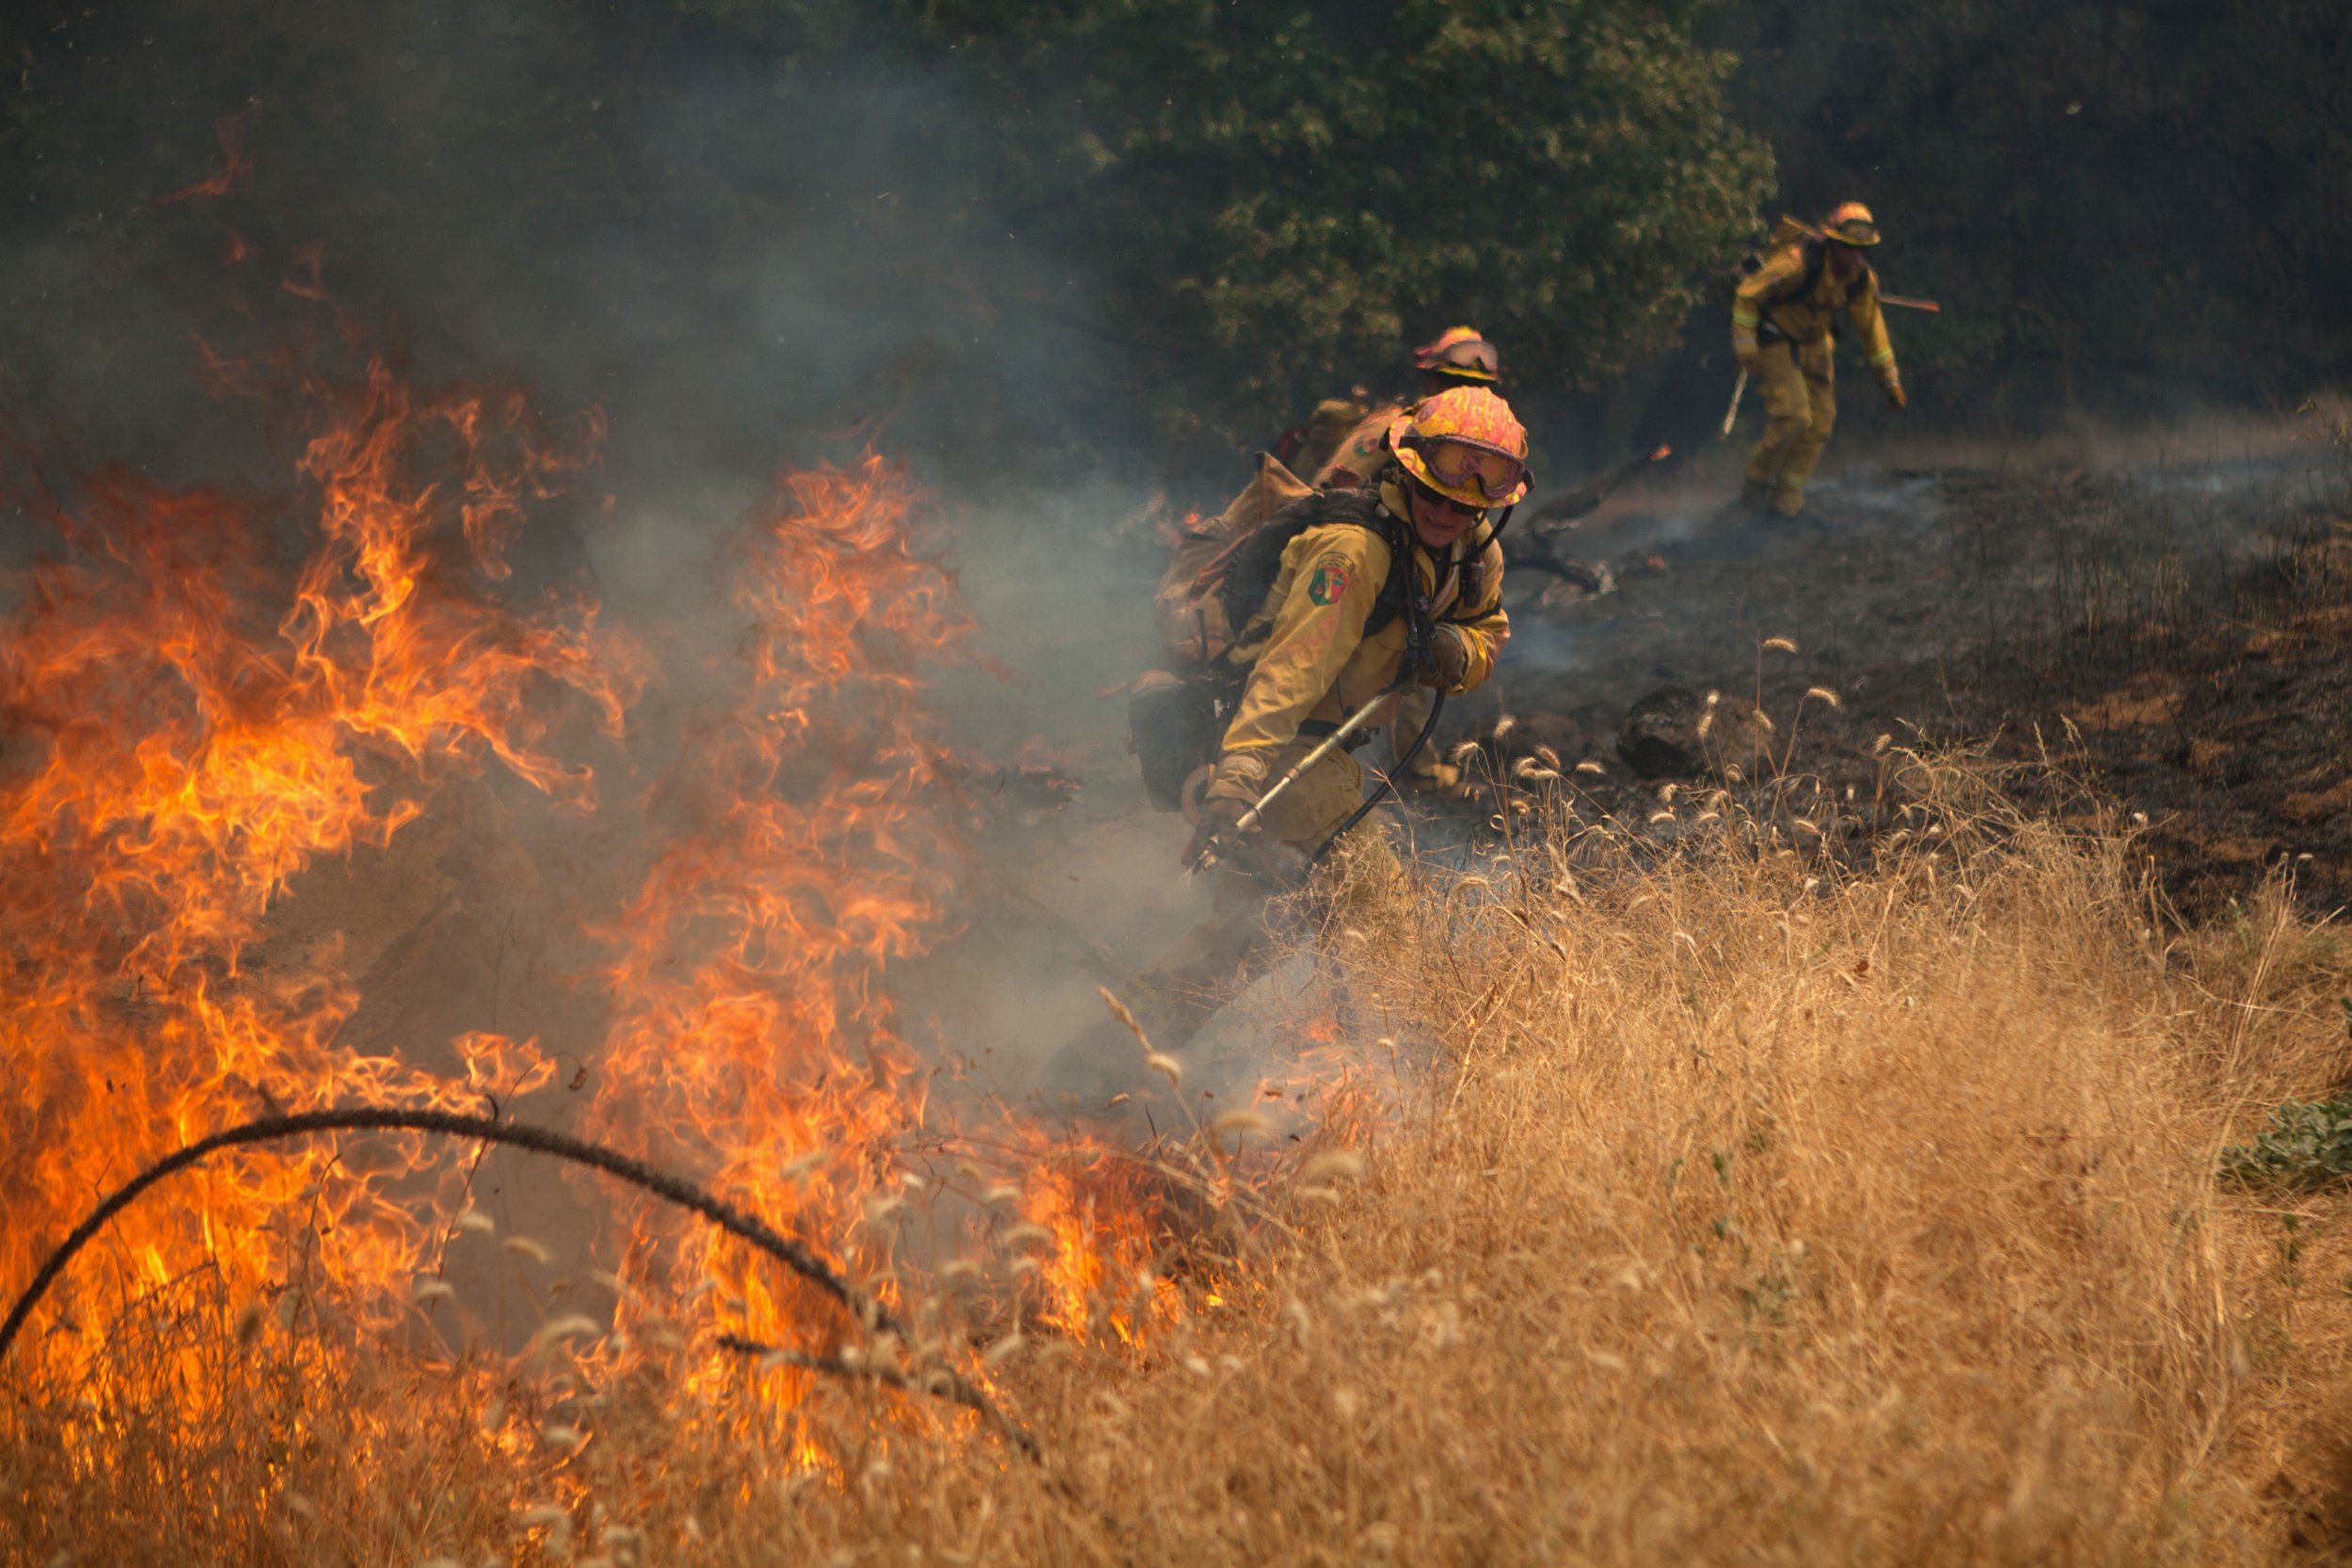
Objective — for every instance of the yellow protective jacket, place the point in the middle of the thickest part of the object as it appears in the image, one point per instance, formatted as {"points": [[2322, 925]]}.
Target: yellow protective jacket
{"points": [[1777, 292], [1311, 658]]}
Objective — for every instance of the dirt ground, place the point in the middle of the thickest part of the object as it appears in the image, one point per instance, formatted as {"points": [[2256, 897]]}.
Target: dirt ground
{"points": [[2166, 619]]}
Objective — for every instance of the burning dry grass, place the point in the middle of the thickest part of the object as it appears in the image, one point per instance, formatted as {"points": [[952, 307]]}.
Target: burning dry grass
{"points": [[1748, 1212]]}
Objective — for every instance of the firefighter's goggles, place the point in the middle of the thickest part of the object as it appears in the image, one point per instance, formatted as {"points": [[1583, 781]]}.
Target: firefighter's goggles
{"points": [[1467, 470], [1474, 359]]}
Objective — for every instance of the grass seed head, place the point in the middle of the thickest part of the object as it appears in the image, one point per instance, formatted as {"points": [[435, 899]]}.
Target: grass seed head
{"points": [[527, 1249], [573, 1326], [548, 1516], [1334, 1162]]}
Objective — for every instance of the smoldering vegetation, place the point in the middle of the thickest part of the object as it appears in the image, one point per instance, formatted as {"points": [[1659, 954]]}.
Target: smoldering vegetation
{"points": [[1738, 1205], [1675, 1171]]}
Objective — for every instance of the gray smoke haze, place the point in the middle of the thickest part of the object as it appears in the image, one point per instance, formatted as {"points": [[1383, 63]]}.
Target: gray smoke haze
{"points": [[729, 260], [747, 269], [745, 272]]}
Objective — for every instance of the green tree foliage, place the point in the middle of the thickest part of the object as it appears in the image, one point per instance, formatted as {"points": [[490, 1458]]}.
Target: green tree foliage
{"points": [[2121, 202], [1286, 192]]}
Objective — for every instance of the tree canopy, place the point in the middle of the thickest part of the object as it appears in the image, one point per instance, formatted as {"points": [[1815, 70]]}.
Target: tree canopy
{"points": [[1289, 192], [1195, 210]]}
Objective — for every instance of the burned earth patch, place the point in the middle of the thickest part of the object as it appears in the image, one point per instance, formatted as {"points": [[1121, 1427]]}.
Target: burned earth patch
{"points": [[2171, 638]]}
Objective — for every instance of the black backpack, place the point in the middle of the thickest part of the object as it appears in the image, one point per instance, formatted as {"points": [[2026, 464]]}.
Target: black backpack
{"points": [[1256, 560]]}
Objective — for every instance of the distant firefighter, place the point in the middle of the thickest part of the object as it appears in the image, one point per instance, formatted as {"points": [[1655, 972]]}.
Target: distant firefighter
{"points": [[1781, 316]]}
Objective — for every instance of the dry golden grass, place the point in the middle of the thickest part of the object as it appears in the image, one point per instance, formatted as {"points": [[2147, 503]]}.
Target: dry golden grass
{"points": [[1748, 1212]]}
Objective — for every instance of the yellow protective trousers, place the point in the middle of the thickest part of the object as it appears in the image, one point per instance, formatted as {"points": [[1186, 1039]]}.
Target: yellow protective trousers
{"points": [[1799, 387]]}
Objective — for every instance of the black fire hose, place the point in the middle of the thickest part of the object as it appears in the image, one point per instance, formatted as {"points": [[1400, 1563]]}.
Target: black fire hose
{"points": [[790, 1251], [1388, 784]]}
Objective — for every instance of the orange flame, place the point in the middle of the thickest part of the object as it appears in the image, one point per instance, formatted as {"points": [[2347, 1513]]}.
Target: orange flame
{"points": [[1102, 1212], [187, 728], [177, 752], [754, 1042], [236, 166]]}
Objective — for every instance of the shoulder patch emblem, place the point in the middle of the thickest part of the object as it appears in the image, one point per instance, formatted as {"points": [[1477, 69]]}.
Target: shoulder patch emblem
{"points": [[1329, 583]]}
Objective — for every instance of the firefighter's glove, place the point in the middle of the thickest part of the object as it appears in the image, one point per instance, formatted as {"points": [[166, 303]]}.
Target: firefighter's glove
{"points": [[1231, 791], [1445, 663], [1219, 831], [1895, 399], [1239, 783]]}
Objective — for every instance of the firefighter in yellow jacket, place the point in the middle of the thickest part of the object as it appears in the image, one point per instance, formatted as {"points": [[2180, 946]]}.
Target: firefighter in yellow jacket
{"points": [[1458, 356], [1780, 329], [1399, 581]]}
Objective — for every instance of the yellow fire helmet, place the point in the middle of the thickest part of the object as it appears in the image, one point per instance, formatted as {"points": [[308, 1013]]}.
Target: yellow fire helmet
{"points": [[1851, 224], [1465, 444], [1461, 353]]}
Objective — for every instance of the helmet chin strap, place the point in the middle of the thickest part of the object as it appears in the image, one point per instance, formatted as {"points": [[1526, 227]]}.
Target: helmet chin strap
{"points": [[1494, 531]]}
